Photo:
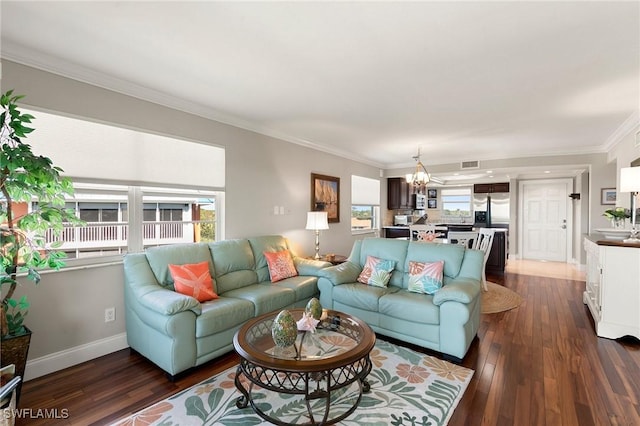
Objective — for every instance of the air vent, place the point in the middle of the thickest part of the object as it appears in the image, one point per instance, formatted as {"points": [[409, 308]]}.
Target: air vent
{"points": [[470, 165]]}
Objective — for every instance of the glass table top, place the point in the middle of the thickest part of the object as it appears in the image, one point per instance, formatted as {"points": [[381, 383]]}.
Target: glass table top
{"points": [[336, 334]]}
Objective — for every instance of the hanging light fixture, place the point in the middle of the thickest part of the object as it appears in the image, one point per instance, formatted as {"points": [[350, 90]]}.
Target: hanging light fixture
{"points": [[420, 176]]}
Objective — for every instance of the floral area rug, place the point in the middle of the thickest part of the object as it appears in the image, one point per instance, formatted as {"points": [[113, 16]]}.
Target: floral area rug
{"points": [[407, 388]]}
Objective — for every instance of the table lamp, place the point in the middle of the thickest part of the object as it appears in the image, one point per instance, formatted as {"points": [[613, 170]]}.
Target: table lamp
{"points": [[317, 221], [630, 182]]}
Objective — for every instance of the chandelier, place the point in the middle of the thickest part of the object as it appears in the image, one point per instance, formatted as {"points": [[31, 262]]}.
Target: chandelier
{"points": [[420, 176]]}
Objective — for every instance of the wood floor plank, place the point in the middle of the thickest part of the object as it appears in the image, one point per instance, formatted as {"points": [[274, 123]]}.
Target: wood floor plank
{"points": [[538, 364]]}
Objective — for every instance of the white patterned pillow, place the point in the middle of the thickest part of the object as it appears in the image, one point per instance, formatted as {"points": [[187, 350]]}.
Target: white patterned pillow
{"points": [[376, 271], [425, 277]]}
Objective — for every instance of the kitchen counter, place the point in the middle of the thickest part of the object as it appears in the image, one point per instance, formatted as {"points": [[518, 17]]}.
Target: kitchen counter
{"points": [[499, 249], [443, 227], [600, 240]]}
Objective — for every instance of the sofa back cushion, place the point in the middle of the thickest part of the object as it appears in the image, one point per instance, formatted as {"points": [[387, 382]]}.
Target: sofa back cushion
{"points": [[159, 259], [385, 249], [234, 264], [269, 243], [452, 254]]}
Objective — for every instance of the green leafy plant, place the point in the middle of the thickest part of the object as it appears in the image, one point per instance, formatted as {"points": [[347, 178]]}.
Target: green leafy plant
{"points": [[617, 213], [25, 178]]}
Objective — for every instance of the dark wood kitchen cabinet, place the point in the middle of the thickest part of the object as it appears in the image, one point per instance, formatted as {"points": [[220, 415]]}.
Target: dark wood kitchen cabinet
{"points": [[484, 188], [396, 232], [398, 194], [497, 259]]}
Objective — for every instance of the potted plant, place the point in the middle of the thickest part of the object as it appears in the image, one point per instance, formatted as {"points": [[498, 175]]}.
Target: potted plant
{"points": [[32, 201], [617, 216]]}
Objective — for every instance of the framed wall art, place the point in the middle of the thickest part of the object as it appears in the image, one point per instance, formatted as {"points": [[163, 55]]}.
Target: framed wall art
{"points": [[325, 196], [608, 196], [432, 204], [432, 193]]}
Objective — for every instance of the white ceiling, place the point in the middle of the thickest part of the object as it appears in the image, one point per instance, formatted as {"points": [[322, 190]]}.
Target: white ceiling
{"points": [[372, 81]]}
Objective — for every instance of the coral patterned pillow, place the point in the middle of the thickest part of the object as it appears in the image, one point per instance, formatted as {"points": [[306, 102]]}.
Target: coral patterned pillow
{"points": [[280, 265], [425, 277], [193, 279], [376, 271]]}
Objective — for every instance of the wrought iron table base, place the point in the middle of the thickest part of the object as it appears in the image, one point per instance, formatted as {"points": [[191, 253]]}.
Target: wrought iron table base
{"points": [[291, 382]]}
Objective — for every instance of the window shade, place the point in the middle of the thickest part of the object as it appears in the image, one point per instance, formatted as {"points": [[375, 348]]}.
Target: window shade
{"points": [[88, 150], [365, 191]]}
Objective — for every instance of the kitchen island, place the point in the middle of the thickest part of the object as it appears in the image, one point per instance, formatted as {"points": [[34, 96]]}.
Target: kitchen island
{"points": [[497, 260]]}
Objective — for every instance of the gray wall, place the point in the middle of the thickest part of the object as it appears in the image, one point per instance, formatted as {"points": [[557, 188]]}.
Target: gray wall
{"points": [[67, 308]]}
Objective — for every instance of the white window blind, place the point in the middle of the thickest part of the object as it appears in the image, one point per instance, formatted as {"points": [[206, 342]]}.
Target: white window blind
{"points": [[88, 150], [365, 191]]}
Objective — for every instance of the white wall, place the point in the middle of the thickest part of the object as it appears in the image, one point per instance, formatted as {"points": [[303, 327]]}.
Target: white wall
{"points": [[67, 308]]}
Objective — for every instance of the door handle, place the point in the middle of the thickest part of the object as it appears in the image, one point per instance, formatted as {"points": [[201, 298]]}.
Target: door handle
{"points": [[564, 226]]}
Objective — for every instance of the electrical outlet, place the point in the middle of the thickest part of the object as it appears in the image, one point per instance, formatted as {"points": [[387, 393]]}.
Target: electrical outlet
{"points": [[109, 314]]}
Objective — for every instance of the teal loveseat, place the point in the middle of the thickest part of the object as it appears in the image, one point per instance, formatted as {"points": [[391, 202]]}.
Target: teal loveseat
{"points": [[446, 322], [177, 332]]}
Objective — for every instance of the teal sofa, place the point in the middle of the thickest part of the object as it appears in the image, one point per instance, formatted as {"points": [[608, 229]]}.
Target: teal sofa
{"points": [[446, 322], [177, 332]]}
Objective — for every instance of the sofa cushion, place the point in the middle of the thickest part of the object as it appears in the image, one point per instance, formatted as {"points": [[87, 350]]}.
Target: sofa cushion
{"points": [[265, 296], [222, 314], [425, 277], [266, 243], [410, 306], [376, 271], [193, 279], [360, 296], [280, 265], [178, 254], [234, 264], [385, 248], [304, 287]]}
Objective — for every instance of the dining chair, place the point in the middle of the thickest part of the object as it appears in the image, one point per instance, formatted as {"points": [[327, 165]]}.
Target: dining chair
{"points": [[484, 243], [424, 233], [464, 238]]}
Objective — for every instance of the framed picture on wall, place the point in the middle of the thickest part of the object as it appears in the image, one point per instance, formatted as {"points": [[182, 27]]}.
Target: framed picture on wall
{"points": [[432, 193], [608, 196], [432, 204], [325, 196]]}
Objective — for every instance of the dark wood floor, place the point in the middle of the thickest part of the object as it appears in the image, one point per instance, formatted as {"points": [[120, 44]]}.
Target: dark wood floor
{"points": [[539, 364]]}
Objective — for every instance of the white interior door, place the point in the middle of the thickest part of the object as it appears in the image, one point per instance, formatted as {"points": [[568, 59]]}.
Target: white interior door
{"points": [[546, 221]]}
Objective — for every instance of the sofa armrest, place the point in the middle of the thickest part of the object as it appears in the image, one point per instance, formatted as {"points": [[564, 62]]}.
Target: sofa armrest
{"points": [[168, 302], [346, 272], [310, 267], [461, 290]]}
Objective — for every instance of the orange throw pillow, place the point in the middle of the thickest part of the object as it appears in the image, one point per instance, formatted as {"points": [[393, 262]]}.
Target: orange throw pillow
{"points": [[280, 265], [193, 279]]}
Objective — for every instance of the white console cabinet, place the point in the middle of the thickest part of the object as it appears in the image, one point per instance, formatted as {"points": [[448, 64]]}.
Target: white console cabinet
{"points": [[613, 288]]}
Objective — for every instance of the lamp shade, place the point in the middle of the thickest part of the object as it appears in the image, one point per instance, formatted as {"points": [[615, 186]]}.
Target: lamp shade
{"points": [[630, 179], [317, 221]]}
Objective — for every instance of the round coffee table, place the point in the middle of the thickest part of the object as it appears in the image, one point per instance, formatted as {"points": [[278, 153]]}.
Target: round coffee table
{"points": [[317, 365]]}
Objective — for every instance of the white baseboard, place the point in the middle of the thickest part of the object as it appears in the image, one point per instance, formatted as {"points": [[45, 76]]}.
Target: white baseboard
{"points": [[70, 357]]}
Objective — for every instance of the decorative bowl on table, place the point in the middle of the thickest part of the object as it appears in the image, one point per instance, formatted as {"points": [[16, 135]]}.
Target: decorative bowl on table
{"points": [[614, 233]]}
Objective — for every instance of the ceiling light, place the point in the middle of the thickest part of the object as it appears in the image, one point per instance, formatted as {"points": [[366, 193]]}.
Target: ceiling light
{"points": [[420, 176]]}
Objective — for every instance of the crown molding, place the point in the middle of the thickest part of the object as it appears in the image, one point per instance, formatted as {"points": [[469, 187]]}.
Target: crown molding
{"points": [[44, 62], [629, 125]]}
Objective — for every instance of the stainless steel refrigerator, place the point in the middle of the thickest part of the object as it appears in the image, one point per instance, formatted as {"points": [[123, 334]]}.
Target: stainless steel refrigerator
{"points": [[496, 206]]}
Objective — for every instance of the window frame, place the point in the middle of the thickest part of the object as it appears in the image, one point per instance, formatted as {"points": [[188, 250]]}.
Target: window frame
{"points": [[135, 204], [443, 202]]}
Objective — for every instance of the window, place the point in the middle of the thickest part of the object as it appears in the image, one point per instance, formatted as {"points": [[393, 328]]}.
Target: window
{"points": [[456, 202], [109, 166], [167, 218], [365, 204]]}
